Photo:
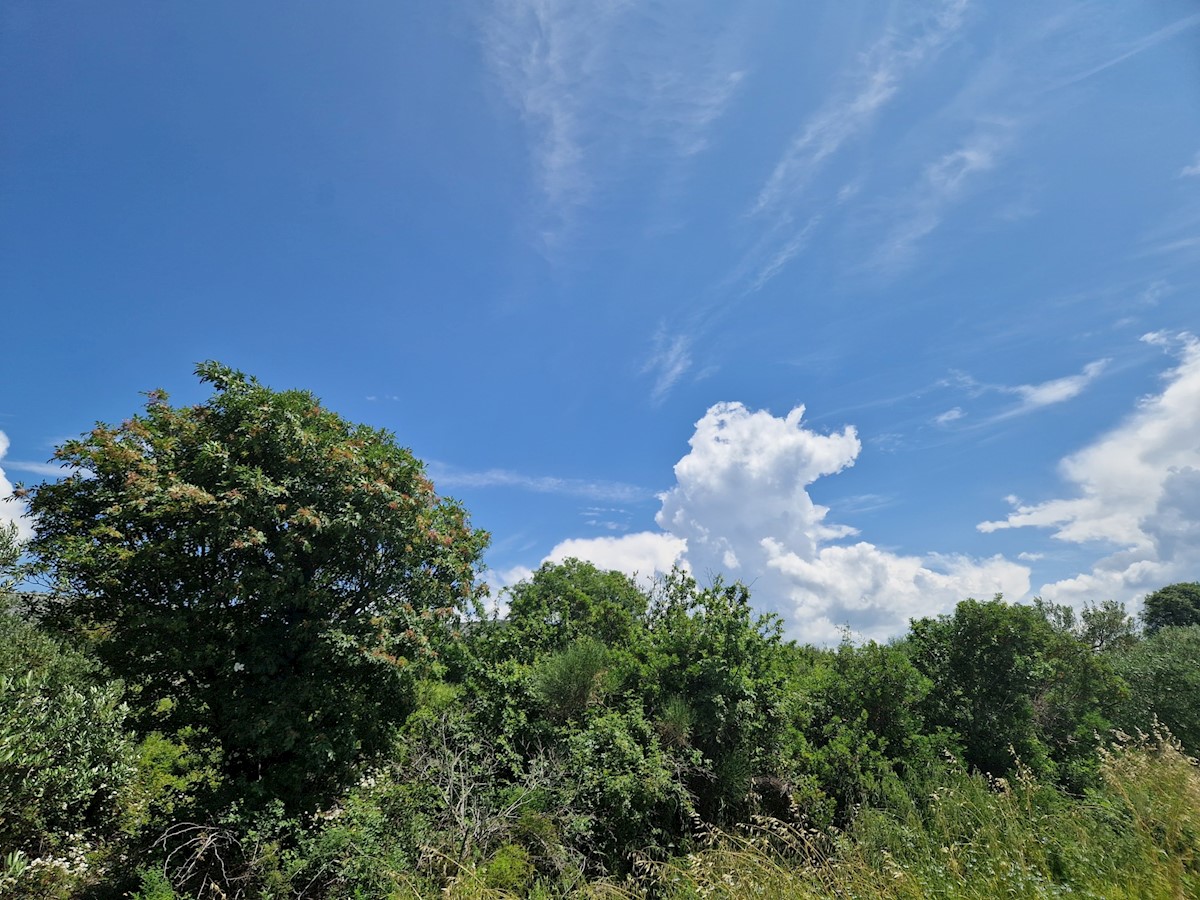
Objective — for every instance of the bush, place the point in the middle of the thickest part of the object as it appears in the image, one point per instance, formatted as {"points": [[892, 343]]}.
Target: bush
{"points": [[1163, 675], [65, 753]]}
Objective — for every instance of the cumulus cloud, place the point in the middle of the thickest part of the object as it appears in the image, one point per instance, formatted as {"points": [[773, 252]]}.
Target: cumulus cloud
{"points": [[1136, 490], [643, 554], [11, 510], [740, 507], [498, 581]]}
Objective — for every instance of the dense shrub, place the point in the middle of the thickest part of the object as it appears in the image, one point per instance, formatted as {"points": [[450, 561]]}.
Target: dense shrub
{"points": [[1163, 676]]}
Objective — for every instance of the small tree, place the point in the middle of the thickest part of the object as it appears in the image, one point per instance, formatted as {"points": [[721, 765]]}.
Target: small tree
{"points": [[259, 568], [565, 601]]}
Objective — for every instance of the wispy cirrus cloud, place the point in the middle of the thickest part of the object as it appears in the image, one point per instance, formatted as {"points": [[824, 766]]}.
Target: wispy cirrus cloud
{"points": [[849, 114], [1132, 49], [43, 469], [1192, 170], [445, 476], [1057, 390], [669, 361], [599, 85], [943, 184], [950, 415], [876, 79], [1031, 397]]}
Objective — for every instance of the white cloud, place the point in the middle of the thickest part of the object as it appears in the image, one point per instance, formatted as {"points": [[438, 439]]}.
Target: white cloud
{"points": [[784, 254], [1032, 396], [950, 415], [846, 116], [669, 361], [1191, 171], [42, 469], [1058, 390], [498, 581], [448, 477], [740, 507], [943, 183], [1136, 489], [12, 510], [876, 592], [1141, 45], [1158, 288], [783, 208], [644, 554], [596, 84]]}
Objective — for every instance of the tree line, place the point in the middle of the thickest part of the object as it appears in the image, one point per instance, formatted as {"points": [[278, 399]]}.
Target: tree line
{"points": [[258, 666]]}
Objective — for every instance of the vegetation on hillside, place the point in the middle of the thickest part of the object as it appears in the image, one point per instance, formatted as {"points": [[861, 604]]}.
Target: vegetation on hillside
{"points": [[257, 668]]}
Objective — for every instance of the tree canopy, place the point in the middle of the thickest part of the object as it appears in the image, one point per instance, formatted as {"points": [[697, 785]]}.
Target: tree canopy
{"points": [[1176, 605], [264, 568]]}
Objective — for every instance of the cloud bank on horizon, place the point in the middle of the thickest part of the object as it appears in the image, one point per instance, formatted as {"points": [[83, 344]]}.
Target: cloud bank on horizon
{"points": [[740, 507], [1136, 492]]}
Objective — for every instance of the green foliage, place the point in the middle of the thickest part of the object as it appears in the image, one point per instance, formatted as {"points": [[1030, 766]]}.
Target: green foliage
{"points": [[283, 594], [10, 555], [856, 714], [567, 683], [65, 753], [672, 713], [510, 870], [1174, 606], [1163, 675], [707, 663], [270, 568], [1107, 626], [174, 779], [624, 786], [565, 601], [154, 885], [1137, 836], [1103, 627], [1012, 687]]}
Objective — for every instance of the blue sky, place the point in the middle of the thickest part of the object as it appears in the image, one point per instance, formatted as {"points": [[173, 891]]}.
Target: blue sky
{"points": [[589, 260]]}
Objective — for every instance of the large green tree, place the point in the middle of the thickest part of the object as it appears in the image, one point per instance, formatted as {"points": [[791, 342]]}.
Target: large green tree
{"points": [[258, 567], [1007, 681], [1174, 606], [1163, 674]]}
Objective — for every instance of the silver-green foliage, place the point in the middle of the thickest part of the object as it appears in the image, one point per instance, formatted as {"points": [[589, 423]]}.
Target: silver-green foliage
{"points": [[64, 751]]}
